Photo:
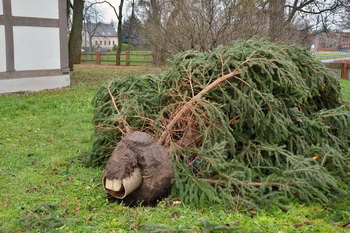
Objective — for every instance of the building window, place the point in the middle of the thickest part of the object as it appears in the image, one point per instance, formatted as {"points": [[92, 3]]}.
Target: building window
{"points": [[100, 42], [96, 42], [109, 42], [105, 42], [113, 42]]}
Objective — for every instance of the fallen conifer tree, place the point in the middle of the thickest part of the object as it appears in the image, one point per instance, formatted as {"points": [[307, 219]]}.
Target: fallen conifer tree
{"points": [[247, 124]]}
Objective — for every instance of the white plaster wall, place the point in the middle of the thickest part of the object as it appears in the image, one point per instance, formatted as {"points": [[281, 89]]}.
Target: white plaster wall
{"points": [[2, 49], [1, 11], [36, 48], [33, 84], [35, 8]]}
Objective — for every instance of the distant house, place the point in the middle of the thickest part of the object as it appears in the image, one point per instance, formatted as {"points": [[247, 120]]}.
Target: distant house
{"points": [[333, 41], [103, 37], [33, 45]]}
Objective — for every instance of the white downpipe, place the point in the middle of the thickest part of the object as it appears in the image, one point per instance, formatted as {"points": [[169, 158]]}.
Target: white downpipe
{"points": [[121, 188]]}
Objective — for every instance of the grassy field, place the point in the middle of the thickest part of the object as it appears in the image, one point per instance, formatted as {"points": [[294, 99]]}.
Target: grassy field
{"points": [[46, 188], [331, 55]]}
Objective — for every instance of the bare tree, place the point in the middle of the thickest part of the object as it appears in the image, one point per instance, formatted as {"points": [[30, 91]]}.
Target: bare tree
{"points": [[92, 16], [178, 25], [130, 28], [276, 18], [75, 38], [285, 14], [119, 14], [119, 30], [343, 16], [150, 12], [174, 26]]}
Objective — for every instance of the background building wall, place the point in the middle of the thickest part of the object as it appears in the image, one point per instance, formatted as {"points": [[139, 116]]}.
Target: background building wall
{"points": [[2, 48], [35, 8], [36, 48], [104, 42], [33, 45]]}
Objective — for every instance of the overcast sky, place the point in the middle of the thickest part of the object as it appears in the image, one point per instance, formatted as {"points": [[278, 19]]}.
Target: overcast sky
{"points": [[107, 12]]}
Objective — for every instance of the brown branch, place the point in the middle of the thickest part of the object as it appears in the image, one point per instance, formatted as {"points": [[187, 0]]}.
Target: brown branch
{"points": [[214, 182], [197, 97], [95, 3], [254, 184], [126, 125], [194, 99], [299, 8], [69, 4]]}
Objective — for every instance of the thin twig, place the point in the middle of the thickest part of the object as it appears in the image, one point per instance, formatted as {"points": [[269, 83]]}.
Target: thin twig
{"points": [[126, 125], [97, 2]]}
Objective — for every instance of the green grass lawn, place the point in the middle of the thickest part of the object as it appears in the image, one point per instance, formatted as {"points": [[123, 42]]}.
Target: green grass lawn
{"points": [[331, 55], [46, 187]]}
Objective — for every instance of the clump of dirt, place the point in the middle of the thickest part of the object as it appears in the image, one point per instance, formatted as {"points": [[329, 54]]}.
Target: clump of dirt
{"points": [[138, 150]]}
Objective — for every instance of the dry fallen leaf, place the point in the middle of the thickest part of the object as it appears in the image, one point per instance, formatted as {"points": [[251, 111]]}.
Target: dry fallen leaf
{"points": [[90, 208], [175, 215], [298, 224], [308, 222], [335, 224]]}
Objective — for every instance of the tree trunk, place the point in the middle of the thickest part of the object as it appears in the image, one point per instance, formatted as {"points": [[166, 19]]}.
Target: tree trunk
{"points": [[130, 29], [120, 23], [75, 38], [153, 26], [276, 18]]}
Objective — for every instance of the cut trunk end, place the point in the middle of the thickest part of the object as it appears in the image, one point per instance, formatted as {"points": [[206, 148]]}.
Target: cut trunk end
{"points": [[139, 170], [121, 188]]}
